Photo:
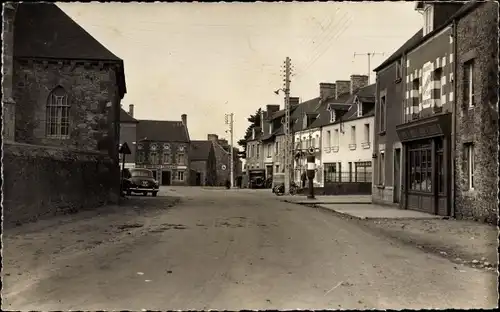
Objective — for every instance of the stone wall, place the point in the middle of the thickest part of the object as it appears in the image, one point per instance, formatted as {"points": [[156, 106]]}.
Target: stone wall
{"points": [[92, 94], [477, 39], [41, 181], [198, 166]]}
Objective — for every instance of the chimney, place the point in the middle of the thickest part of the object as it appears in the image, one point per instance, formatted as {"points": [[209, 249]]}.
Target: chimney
{"points": [[184, 119], [357, 82], [327, 89], [343, 86], [272, 109], [213, 137], [294, 101], [131, 110]]}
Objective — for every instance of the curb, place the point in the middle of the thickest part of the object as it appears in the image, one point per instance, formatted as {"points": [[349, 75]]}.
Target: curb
{"points": [[325, 203]]}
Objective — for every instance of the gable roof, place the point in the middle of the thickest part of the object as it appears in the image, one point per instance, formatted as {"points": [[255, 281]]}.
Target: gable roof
{"points": [[162, 131], [126, 118], [200, 150], [310, 106], [418, 38], [43, 30]]}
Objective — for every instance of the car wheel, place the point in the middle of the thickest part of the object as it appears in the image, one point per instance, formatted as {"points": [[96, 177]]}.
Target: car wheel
{"points": [[154, 194]]}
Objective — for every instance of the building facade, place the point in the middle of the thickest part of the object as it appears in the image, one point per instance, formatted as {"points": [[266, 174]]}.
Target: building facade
{"points": [[222, 152], [61, 129], [203, 165], [348, 139], [433, 161], [476, 125], [128, 134], [163, 147]]}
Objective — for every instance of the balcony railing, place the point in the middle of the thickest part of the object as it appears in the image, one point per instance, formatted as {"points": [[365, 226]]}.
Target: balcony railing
{"points": [[335, 149], [352, 146], [365, 145], [353, 177], [327, 149]]}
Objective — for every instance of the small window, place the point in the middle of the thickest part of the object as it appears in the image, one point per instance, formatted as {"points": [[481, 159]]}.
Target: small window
{"points": [[468, 82], [328, 138], [381, 173], [181, 158], [153, 158], [437, 89], [336, 138], [353, 134], [258, 150], [359, 108], [399, 69], [167, 157], [180, 175], [367, 133], [382, 113], [469, 164]]}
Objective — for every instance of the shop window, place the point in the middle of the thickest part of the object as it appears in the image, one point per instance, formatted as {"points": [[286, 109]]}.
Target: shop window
{"points": [[420, 162], [439, 167], [180, 176], [469, 165]]}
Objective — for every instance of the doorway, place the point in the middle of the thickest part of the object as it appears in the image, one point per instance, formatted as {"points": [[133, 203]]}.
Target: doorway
{"points": [[397, 175], [166, 177], [198, 179]]}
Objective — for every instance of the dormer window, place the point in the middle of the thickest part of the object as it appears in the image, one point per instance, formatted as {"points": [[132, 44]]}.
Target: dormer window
{"points": [[253, 133], [428, 18], [359, 107], [270, 128], [332, 115]]}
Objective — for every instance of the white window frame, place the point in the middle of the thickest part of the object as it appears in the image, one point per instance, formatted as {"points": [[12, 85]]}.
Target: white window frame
{"points": [[428, 19], [336, 138], [359, 107], [470, 165], [381, 169], [328, 139], [367, 133], [470, 82], [332, 115], [179, 176]]}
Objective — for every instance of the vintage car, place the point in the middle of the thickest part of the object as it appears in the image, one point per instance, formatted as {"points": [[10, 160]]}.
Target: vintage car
{"points": [[139, 181]]}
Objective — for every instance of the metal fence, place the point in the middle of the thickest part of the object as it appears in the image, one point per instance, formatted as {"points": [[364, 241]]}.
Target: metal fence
{"points": [[346, 177]]}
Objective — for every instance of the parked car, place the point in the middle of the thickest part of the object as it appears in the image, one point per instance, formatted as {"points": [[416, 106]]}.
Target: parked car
{"points": [[139, 181]]}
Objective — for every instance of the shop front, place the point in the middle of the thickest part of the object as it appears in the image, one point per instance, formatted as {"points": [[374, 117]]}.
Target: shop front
{"points": [[427, 164]]}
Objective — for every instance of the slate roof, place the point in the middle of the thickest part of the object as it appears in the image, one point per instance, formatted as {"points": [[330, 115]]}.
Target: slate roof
{"points": [[324, 115], [365, 95], [126, 118], [200, 150], [162, 131], [43, 30], [419, 38]]}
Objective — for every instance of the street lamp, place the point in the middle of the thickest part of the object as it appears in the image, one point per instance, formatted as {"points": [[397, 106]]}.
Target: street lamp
{"points": [[310, 173]]}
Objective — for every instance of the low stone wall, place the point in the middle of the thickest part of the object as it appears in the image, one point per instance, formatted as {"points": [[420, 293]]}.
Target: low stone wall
{"points": [[42, 181], [347, 188]]}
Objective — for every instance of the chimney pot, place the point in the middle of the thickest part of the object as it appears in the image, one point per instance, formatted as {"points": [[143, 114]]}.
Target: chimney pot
{"points": [[357, 82], [184, 119], [327, 89], [212, 137], [294, 101], [343, 86], [131, 110]]}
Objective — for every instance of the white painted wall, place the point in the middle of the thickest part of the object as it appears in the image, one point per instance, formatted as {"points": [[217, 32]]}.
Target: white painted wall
{"points": [[346, 149], [301, 138]]}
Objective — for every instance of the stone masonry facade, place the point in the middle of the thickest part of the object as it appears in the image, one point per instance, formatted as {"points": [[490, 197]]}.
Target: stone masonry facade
{"points": [[478, 42]]}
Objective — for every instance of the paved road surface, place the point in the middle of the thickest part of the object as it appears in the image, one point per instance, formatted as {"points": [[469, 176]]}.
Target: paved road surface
{"points": [[232, 250]]}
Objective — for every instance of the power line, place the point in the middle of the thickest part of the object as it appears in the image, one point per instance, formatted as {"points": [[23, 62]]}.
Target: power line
{"points": [[314, 58]]}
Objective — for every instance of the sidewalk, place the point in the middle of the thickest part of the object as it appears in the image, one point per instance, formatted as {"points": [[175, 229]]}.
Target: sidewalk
{"points": [[463, 242], [325, 199]]}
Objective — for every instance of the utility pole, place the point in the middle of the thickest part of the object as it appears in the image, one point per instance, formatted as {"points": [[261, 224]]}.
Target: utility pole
{"points": [[369, 55], [288, 134], [229, 121]]}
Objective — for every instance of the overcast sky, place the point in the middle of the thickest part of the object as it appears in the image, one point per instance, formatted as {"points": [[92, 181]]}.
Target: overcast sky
{"points": [[208, 59]]}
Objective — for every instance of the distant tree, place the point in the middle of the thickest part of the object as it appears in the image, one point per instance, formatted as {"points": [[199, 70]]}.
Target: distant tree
{"points": [[254, 121]]}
